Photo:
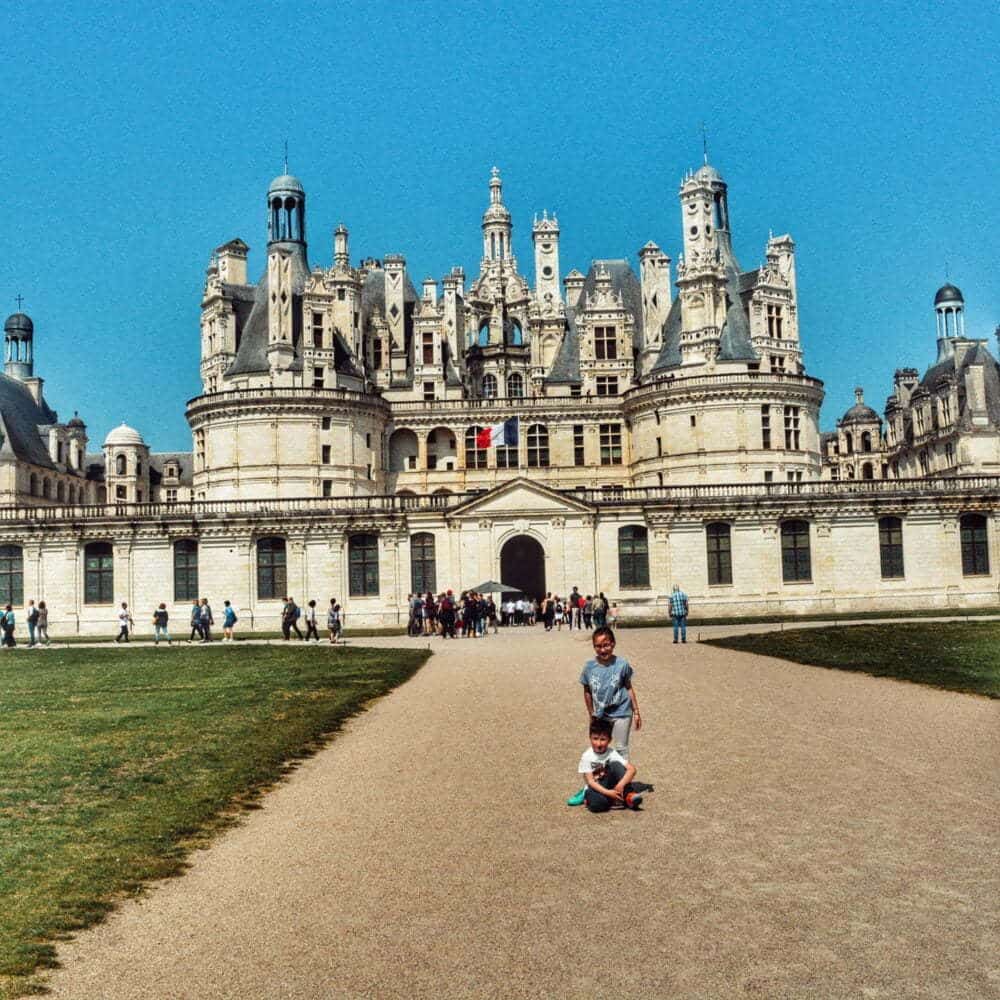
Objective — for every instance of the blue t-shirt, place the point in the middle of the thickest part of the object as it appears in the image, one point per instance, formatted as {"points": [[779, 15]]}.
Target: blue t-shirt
{"points": [[609, 687]]}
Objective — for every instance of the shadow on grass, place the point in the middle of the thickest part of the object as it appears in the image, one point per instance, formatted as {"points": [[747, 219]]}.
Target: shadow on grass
{"points": [[956, 656]]}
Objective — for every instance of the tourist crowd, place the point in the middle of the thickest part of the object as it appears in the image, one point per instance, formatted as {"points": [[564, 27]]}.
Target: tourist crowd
{"points": [[473, 615]]}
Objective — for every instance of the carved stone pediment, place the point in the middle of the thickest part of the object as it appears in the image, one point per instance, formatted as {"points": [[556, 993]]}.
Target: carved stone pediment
{"points": [[521, 498]]}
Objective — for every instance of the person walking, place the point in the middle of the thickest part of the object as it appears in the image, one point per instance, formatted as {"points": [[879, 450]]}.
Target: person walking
{"points": [[679, 612], [7, 622], [310, 617], [206, 619], [600, 611], [160, 618], [290, 615], [125, 623], [43, 623], [229, 621], [31, 617], [333, 620], [572, 609], [195, 620]]}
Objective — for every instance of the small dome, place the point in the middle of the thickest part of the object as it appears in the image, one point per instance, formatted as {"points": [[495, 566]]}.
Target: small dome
{"points": [[947, 294], [286, 184], [124, 435], [20, 324], [708, 173], [75, 421], [496, 213], [860, 414]]}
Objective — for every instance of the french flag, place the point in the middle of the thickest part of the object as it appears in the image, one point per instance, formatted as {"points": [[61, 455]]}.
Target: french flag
{"points": [[499, 435]]}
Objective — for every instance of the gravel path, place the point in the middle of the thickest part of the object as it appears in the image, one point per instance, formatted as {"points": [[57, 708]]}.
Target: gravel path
{"points": [[813, 834]]}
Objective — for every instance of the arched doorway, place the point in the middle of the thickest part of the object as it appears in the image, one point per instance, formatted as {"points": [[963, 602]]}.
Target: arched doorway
{"points": [[522, 565]]}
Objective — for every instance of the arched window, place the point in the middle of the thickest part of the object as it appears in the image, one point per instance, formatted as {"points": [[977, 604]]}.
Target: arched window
{"points": [[489, 387], [516, 337], [849, 443], [46, 488], [138, 468], [890, 546], [866, 441], [975, 555], [515, 386], [185, 569], [867, 471], [475, 458], [11, 575], [423, 578], [538, 446], [120, 465], [33, 485], [362, 559], [271, 576], [60, 491], [795, 562], [720, 555], [484, 333], [633, 556], [98, 573]]}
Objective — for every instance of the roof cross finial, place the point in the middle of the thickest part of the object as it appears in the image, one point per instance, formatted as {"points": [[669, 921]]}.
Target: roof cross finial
{"points": [[286, 157], [704, 142], [946, 275], [19, 301]]}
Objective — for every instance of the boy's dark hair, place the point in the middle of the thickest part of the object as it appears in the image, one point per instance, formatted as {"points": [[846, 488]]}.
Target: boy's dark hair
{"points": [[601, 727], [603, 630]]}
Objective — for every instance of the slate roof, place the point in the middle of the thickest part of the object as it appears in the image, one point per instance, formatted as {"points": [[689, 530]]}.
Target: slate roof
{"points": [[21, 417], [950, 367], [566, 367], [251, 356], [734, 340], [159, 459]]}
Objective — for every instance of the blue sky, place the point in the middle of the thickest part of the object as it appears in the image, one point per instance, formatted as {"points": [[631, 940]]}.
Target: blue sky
{"points": [[138, 142]]}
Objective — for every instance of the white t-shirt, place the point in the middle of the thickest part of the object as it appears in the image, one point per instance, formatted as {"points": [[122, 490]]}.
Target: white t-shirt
{"points": [[589, 759]]}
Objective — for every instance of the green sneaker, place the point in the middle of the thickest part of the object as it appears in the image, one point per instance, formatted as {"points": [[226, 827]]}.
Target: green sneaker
{"points": [[577, 800]]}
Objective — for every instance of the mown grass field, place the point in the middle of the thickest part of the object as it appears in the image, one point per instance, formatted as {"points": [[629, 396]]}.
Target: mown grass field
{"points": [[958, 656], [114, 763]]}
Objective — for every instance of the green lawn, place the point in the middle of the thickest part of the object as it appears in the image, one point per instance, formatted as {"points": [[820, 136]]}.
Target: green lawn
{"points": [[959, 656], [115, 762]]}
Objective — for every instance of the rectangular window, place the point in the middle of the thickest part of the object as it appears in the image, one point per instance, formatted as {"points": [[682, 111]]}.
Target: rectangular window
{"points": [[11, 575], [605, 343], [98, 573], [271, 569], [795, 560], [507, 457], [368, 439], [765, 427], [975, 554], [428, 348], [341, 294], [363, 565], [368, 470], [538, 446], [325, 423], [432, 460], [579, 452], [607, 385], [768, 476], [949, 454], [720, 556], [423, 574], [792, 428], [328, 487], [774, 321], [946, 410], [172, 495], [576, 391], [318, 377], [890, 544], [317, 330], [376, 354], [694, 420], [611, 444], [428, 392], [185, 570], [326, 454], [795, 476], [659, 447], [633, 556]]}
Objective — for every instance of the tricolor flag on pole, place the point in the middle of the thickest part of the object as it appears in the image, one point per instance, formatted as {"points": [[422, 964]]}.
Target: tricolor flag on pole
{"points": [[499, 435]]}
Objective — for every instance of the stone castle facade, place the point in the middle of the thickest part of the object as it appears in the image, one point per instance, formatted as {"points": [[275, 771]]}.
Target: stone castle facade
{"points": [[667, 430]]}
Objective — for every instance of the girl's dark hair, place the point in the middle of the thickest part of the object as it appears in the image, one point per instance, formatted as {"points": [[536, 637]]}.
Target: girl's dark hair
{"points": [[601, 727], [603, 630]]}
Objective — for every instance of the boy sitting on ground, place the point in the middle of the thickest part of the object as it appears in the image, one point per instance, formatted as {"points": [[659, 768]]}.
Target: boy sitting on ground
{"points": [[607, 774]]}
